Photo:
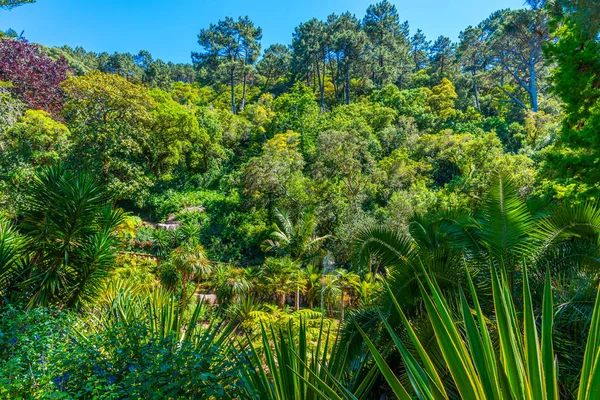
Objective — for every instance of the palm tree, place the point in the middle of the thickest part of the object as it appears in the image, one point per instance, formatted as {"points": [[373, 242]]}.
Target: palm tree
{"points": [[70, 229], [330, 293], [346, 281], [187, 263], [281, 276], [231, 283], [312, 278], [297, 239]]}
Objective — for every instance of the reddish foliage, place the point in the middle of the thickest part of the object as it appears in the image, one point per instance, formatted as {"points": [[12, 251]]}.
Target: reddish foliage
{"points": [[35, 77]]}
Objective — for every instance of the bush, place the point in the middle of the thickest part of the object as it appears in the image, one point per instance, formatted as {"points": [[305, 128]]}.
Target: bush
{"points": [[28, 342], [42, 355], [129, 362]]}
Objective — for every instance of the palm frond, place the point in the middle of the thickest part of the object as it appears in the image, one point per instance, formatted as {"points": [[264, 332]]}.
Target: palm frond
{"points": [[391, 247], [505, 223]]}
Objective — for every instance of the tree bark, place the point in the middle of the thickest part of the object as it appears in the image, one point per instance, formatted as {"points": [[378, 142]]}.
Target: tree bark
{"points": [[347, 79], [476, 90], [342, 301], [321, 85], [233, 91], [335, 88], [183, 296], [281, 301], [533, 90], [243, 103]]}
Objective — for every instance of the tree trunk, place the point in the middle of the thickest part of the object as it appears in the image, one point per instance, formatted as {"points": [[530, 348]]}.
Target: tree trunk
{"points": [[233, 91], [380, 80], [281, 301], [267, 81], [297, 302], [533, 91], [342, 301], [476, 90], [243, 104], [335, 88], [347, 78], [183, 296], [321, 84]]}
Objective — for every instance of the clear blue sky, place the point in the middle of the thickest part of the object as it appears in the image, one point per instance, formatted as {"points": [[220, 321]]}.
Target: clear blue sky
{"points": [[168, 29]]}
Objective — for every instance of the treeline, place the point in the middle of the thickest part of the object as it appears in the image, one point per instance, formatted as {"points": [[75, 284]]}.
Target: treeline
{"points": [[344, 58]]}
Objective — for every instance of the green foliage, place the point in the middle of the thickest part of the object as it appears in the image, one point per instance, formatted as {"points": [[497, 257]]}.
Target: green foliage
{"points": [[28, 343], [572, 159], [295, 367], [37, 139], [110, 118], [134, 363], [135, 350], [11, 248], [177, 137], [441, 100], [522, 365], [361, 175], [266, 177], [230, 49], [297, 111], [69, 230]]}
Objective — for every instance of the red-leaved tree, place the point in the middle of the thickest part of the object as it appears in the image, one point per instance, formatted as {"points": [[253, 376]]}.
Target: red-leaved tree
{"points": [[35, 78]]}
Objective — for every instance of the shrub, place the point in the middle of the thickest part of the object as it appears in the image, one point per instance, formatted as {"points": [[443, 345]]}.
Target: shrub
{"points": [[28, 342]]}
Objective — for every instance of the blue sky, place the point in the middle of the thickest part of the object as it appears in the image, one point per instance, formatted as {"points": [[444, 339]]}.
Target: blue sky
{"points": [[168, 29]]}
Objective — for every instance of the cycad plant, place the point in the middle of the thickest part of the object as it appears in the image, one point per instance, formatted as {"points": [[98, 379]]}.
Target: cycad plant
{"points": [[520, 366]]}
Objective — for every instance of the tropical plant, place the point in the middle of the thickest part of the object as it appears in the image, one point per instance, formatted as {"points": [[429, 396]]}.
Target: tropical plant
{"points": [[296, 239], [281, 276], [186, 264], [160, 311], [291, 366], [505, 232], [149, 340], [230, 283], [70, 232], [521, 366], [10, 256], [27, 341], [346, 281], [312, 278]]}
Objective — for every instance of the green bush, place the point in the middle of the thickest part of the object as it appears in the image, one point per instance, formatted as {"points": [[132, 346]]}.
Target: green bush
{"points": [[46, 354], [127, 361], [29, 341]]}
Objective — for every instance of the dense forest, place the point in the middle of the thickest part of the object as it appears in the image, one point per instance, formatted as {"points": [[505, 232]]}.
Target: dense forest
{"points": [[365, 213]]}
